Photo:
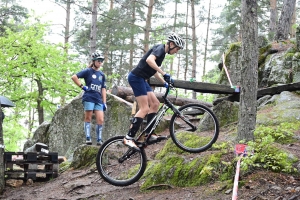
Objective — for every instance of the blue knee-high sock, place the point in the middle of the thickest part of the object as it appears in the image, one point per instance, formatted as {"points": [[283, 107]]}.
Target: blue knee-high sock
{"points": [[87, 130], [99, 132]]}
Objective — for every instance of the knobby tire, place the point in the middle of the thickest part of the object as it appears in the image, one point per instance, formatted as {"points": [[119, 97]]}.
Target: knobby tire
{"points": [[206, 130], [117, 173]]}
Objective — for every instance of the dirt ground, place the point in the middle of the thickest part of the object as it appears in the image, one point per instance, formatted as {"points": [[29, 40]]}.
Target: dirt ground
{"points": [[87, 184]]}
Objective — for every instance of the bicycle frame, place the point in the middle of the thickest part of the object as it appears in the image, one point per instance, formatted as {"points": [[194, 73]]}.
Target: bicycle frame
{"points": [[161, 112]]}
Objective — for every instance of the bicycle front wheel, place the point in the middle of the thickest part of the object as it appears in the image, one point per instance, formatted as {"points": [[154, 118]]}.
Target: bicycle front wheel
{"points": [[118, 164], [195, 129]]}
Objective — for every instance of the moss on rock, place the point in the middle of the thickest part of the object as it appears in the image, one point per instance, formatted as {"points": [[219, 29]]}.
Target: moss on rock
{"points": [[84, 156], [175, 169]]}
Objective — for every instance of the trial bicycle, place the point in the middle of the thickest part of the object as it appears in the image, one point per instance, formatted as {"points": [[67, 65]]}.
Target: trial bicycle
{"points": [[193, 128]]}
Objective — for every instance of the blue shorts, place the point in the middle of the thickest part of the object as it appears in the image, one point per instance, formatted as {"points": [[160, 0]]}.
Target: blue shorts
{"points": [[92, 106], [139, 85]]}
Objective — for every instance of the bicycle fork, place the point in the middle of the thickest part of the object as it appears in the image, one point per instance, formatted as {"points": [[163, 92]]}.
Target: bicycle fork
{"points": [[127, 155], [186, 120]]}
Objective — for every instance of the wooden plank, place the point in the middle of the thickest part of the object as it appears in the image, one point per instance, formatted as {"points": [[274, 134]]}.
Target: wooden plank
{"points": [[263, 92], [197, 86], [278, 89]]}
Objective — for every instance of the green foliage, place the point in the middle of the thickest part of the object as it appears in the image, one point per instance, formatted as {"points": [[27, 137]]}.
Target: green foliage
{"points": [[282, 133], [266, 153], [35, 72], [230, 25], [12, 16], [14, 135], [224, 147]]}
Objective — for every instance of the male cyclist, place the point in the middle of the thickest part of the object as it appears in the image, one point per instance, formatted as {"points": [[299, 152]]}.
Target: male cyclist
{"points": [[148, 66]]}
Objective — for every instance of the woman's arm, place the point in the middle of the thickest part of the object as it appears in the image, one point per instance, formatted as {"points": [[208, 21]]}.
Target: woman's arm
{"points": [[103, 91], [77, 81]]}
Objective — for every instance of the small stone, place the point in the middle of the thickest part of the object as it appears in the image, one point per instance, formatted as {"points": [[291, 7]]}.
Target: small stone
{"points": [[228, 191], [29, 182]]}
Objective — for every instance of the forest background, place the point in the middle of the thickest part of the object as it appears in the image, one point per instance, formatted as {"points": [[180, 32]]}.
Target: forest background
{"points": [[36, 69]]}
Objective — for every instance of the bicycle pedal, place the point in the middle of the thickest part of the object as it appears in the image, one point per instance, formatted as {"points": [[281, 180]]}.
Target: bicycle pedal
{"points": [[159, 139], [163, 137]]}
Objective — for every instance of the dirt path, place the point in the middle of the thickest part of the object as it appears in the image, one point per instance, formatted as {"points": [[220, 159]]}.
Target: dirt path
{"points": [[87, 184]]}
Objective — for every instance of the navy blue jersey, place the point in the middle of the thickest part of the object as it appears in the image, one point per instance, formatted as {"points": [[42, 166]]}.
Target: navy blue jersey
{"points": [[95, 81], [143, 69]]}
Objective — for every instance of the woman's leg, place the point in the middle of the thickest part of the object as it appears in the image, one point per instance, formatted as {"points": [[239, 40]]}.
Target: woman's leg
{"points": [[99, 120], [87, 125], [88, 112]]}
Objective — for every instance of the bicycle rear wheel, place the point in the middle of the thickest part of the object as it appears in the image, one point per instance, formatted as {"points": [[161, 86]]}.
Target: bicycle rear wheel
{"points": [[195, 129], [118, 164]]}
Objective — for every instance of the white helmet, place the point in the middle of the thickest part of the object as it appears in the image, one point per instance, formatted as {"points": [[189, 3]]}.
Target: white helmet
{"points": [[176, 39], [97, 56]]}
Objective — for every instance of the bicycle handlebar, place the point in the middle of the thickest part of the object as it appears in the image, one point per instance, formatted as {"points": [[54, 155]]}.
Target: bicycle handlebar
{"points": [[170, 86]]}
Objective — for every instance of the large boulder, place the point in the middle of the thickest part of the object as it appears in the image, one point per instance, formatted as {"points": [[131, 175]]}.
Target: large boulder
{"points": [[278, 109], [66, 132], [278, 64]]}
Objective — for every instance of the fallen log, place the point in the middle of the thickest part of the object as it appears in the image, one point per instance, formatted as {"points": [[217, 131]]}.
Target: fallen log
{"points": [[121, 91], [126, 93]]}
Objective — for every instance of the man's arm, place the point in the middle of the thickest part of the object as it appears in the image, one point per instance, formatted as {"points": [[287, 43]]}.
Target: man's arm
{"points": [[158, 77], [151, 62]]}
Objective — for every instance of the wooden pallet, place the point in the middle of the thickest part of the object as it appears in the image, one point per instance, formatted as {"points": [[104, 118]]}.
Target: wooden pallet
{"points": [[31, 165]]}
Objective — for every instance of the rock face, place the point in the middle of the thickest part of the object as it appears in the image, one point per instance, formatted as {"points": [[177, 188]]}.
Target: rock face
{"points": [[278, 64], [279, 109], [65, 132]]}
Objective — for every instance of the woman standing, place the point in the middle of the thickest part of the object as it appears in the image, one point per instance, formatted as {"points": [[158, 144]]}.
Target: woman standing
{"points": [[94, 97]]}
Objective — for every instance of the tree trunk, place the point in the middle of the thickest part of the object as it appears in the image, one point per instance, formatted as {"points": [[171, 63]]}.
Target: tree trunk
{"points": [[206, 41], [131, 51], [186, 43], [94, 27], [273, 18], [2, 180], [298, 38], [249, 71], [293, 21], [174, 30], [283, 28], [194, 44], [66, 47], [148, 26], [40, 108]]}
